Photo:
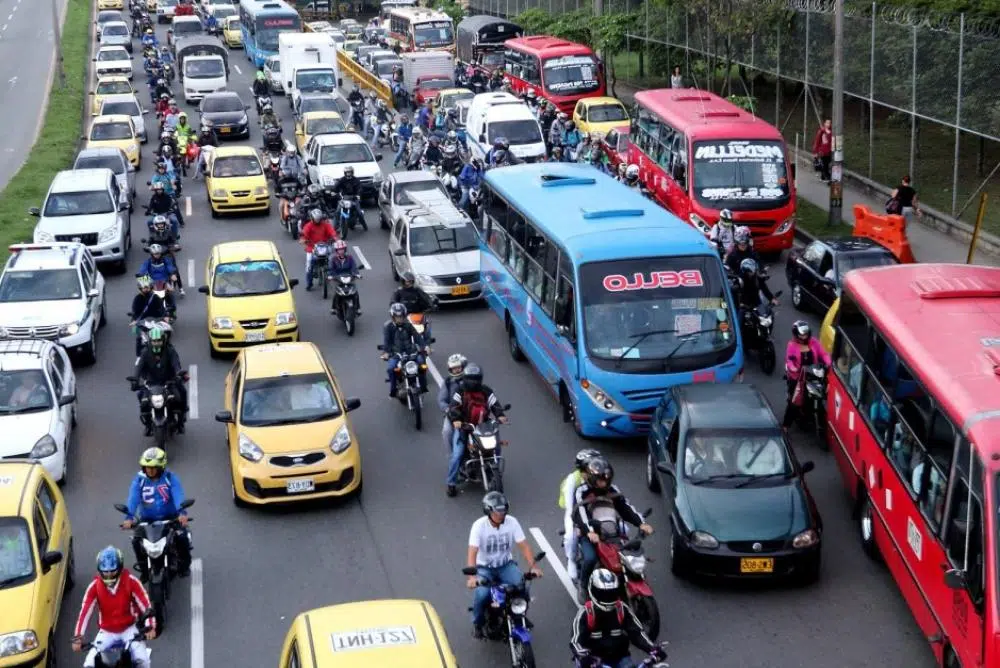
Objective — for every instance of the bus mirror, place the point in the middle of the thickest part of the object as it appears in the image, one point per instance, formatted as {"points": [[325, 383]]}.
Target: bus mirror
{"points": [[954, 579]]}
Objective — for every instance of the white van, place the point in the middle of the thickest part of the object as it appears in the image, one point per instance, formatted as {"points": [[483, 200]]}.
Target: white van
{"points": [[203, 75], [495, 115]]}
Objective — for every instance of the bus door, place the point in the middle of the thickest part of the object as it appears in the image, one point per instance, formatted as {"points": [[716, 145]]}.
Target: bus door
{"points": [[675, 167]]}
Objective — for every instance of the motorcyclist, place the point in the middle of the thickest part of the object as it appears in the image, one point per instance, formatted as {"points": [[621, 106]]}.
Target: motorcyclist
{"points": [[557, 129], [357, 101], [598, 486], [413, 298], [149, 39], [355, 96], [499, 144], [159, 364], [268, 118], [453, 124], [292, 166], [312, 198], [722, 232], [472, 403], [496, 81], [546, 117], [596, 160], [405, 131], [162, 204], [371, 104], [382, 117], [605, 627], [207, 138], [342, 263], [451, 163], [349, 185], [491, 551], [555, 155], [116, 595], [183, 131], [571, 140], [211, 24], [433, 154], [159, 266], [148, 305], [470, 177], [399, 337], [456, 368], [156, 495], [632, 179], [318, 230], [172, 117], [161, 233], [418, 145], [478, 81], [162, 97], [742, 249], [567, 497], [803, 350], [261, 87], [424, 116], [753, 286], [501, 158]]}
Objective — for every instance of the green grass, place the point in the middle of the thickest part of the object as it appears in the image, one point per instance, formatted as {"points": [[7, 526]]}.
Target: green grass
{"points": [[60, 136], [815, 220]]}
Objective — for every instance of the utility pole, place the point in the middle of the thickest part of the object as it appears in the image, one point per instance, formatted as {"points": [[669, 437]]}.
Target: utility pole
{"points": [[57, 36], [837, 167]]}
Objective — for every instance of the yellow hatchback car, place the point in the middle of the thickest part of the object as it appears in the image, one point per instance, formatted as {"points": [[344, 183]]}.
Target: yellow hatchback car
{"points": [[232, 34], [599, 114], [317, 123], [36, 562], [368, 634], [287, 429], [249, 296], [116, 131], [110, 4], [236, 181], [113, 85], [450, 97]]}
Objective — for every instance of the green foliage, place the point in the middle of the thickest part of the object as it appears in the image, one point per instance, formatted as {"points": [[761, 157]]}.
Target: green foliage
{"points": [[744, 102], [535, 21], [452, 8], [984, 8]]}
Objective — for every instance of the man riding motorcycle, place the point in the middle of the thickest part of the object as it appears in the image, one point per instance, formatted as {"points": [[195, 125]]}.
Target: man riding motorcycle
{"points": [[268, 118], [350, 186], [470, 177], [148, 305], [382, 117], [456, 368], [742, 249], [417, 147], [342, 264], [292, 166], [471, 403], [803, 350], [752, 287], [433, 154], [160, 267], [722, 232], [260, 87], [632, 177], [183, 131], [159, 364], [162, 204], [318, 230], [399, 337], [156, 495], [567, 498], [413, 298], [405, 131], [451, 163]]}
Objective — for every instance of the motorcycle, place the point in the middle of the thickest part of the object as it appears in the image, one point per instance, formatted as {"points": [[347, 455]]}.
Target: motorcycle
{"points": [[349, 215], [321, 258], [345, 301], [145, 326], [168, 73], [165, 414], [273, 143], [408, 392], [117, 653], [507, 616], [812, 417], [757, 328], [648, 662], [385, 135], [482, 461], [291, 196], [358, 114], [158, 540], [261, 101], [272, 172]]}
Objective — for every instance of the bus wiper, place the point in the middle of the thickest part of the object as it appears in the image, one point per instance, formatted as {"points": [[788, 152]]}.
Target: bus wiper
{"points": [[766, 476], [642, 336]]}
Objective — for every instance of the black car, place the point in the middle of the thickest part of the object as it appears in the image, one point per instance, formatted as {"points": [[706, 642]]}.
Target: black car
{"points": [[816, 272], [738, 503], [227, 114], [307, 102]]}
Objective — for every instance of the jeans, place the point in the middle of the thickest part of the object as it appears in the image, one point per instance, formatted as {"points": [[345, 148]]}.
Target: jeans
{"points": [[463, 201], [138, 650], [508, 574], [588, 558], [448, 435], [309, 268], [400, 153], [459, 443], [377, 131], [390, 368], [570, 540]]}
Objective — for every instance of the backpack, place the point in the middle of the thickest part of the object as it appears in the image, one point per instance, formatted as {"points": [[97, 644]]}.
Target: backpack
{"points": [[588, 608], [475, 406]]}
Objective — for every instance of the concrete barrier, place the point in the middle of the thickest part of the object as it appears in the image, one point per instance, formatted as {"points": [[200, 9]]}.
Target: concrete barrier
{"points": [[364, 78]]}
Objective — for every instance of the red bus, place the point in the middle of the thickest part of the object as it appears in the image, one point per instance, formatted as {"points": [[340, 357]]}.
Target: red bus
{"points": [[914, 425], [562, 72], [699, 154]]}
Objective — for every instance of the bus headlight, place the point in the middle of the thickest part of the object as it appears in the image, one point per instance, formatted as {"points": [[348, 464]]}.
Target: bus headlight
{"points": [[786, 225], [601, 398], [699, 223]]}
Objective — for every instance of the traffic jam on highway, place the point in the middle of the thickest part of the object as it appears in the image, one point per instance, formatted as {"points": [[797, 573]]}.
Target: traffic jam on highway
{"points": [[295, 259]]}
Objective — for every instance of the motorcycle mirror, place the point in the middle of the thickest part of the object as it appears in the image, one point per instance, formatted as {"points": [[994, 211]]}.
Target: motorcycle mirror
{"points": [[203, 289], [352, 403], [506, 407], [378, 157], [131, 379], [187, 503], [539, 556], [120, 507], [379, 347], [469, 570], [807, 467], [35, 211]]}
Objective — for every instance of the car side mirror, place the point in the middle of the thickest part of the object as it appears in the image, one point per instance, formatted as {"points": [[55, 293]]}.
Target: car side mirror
{"points": [[400, 252], [225, 417], [50, 559], [67, 399], [311, 161], [35, 211], [954, 579], [203, 289], [145, 112], [807, 467], [665, 469], [93, 292], [293, 282], [378, 157], [351, 404], [482, 139]]}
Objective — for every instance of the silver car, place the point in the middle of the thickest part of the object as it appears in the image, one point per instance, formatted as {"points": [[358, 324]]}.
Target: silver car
{"points": [[126, 105], [394, 197], [115, 160], [106, 16], [116, 33]]}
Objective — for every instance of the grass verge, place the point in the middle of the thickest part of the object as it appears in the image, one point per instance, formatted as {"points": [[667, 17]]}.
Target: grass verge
{"points": [[60, 136], [814, 220]]}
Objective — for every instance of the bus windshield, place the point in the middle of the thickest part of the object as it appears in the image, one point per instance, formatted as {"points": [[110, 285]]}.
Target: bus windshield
{"points": [[737, 173], [268, 28], [433, 33], [570, 75], [656, 309]]}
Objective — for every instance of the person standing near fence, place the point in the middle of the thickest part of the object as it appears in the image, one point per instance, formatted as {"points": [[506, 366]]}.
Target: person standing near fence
{"points": [[677, 79], [823, 149]]}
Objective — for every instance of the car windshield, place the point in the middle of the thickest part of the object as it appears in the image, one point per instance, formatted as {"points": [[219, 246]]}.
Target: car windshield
{"points": [[105, 55], [670, 311], [322, 103], [235, 166], [606, 113], [245, 279], [17, 563], [186, 27], [716, 455], [127, 108], [40, 286], [492, 59], [345, 154], [515, 132], [315, 80], [233, 24], [78, 204], [269, 402], [452, 99], [737, 173], [115, 29], [569, 75], [850, 261], [319, 126], [221, 12], [441, 239], [204, 69], [436, 33], [115, 164], [221, 104], [24, 391], [384, 67], [403, 191], [114, 88], [111, 131]]}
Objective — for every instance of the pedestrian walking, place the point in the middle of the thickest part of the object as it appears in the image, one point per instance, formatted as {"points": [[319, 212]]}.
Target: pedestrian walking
{"points": [[823, 149], [903, 201]]}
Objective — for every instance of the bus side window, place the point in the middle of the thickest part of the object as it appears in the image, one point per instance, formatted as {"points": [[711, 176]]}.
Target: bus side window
{"points": [[531, 72], [516, 230], [876, 407], [941, 439], [677, 161], [962, 526], [928, 482], [849, 365], [853, 324], [565, 312]]}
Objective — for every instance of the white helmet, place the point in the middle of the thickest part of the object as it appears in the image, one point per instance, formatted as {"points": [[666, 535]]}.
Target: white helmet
{"points": [[603, 589], [456, 364], [632, 172]]}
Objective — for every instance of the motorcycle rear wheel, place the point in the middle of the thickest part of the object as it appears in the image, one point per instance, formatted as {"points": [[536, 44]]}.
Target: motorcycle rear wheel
{"points": [[160, 436], [493, 479], [418, 413], [326, 284], [349, 317]]}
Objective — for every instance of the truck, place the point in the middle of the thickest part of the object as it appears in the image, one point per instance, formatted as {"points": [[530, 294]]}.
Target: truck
{"points": [[423, 64], [309, 58], [479, 40]]}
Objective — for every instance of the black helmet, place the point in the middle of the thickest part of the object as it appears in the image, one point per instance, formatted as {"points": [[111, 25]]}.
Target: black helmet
{"points": [[397, 310], [499, 156], [495, 502], [473, 378], [603, 589], [583, 458], [406, 277], [597, 469]]}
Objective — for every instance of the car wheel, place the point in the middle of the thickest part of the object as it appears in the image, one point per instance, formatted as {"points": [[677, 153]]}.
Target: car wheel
{"points": [[50, 655], [512, 344], [70, 569], [237, 501], [866, 526], [797, 297], [395, 274], [676, 563], [652, 480], [89, 353], [215, 214], [104, 316], [212, 352]]}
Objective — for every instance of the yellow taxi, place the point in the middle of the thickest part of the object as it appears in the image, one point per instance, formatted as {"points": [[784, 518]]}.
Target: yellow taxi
{"points": [[36, 562], [110, 4], [317, 123], [235, 181], [599, 114], [449, 97], [368, 634], [232, 35], [287, 428], [116, 131], [826, 333], [113, 85], [249, 296]]}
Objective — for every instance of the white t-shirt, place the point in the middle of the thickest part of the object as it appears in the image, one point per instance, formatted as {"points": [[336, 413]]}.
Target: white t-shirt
{"points": [[496, 544]]}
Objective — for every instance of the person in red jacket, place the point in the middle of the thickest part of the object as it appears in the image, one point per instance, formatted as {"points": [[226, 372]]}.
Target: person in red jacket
{"points": [[184, 8], [318, 230], [823, 149], [120, 601]]}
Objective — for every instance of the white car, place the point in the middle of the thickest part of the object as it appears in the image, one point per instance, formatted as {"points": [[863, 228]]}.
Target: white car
{"points": [[328, 155], [53, 291], [113, 60], [165, 10], [37, 403], [272, 70]]}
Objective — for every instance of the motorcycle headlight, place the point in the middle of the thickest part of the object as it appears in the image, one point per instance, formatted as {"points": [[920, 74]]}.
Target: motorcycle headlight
{"points": [[807, 538], [341, 440], [635, 563], [45, 447], [12, 644], [411, 368], [704, 540], [285, 318], [42, 237], [250, 450], [519, 606], [70, 329], [818, 372], [154, 550], [222, 322], [157, 400], [108, 234], [765, 321], [600, 397]]}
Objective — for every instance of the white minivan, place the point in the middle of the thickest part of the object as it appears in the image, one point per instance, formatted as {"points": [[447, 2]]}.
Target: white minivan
{"points": [[496, 115], [202, 75]]}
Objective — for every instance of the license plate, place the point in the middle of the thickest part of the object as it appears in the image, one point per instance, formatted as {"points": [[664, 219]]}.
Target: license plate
{"points": [[761, 565], [225, 131], [460, 290], [300, 486], [254, 337]]}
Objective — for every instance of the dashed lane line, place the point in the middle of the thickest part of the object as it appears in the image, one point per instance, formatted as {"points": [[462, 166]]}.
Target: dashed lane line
{"points": [[197, 614], [190, 274], [361, 258], [193, 392]]}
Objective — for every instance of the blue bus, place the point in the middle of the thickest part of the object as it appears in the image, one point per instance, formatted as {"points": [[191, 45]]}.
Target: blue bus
{"points": [[612, 298], [260, 23]]}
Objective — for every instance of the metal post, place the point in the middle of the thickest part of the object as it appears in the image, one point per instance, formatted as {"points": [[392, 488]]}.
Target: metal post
{"points": [[913, 108], [975, 230], [687, 46], [57, 36], [871, 101], [837, 168], [777, 83], [805, 82], [958, 116]]}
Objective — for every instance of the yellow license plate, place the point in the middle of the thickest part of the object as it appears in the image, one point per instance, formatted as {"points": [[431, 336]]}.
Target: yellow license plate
{"points": [[757, 565], [225, 130], [460, 290]]}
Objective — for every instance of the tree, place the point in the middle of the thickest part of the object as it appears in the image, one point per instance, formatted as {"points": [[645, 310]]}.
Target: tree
{"points": [[451, 8], [535, 21], [609, 36]]}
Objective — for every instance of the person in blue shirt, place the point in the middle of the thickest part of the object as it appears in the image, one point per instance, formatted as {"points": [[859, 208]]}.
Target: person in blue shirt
{"points": [[470, 177], [158, 266], [156, 494], [164, 175], [571, 141], [405, 131], [166, 57], [149, 39], [424, 116], [211, 24]]}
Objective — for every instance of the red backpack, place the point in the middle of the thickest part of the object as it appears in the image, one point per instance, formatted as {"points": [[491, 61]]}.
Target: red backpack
{"points": [[475, 406], [588, 607]]}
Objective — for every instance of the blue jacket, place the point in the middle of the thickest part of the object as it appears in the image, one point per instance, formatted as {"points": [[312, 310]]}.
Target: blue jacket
{"points": [[158, 272], [166, 180], [423, 116], [405, 131], [153, 500], [345, 266], [470, 177]]}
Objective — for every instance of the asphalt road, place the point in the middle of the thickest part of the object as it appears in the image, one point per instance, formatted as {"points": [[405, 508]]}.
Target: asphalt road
{"points": [[404, 538], [26, 54]]}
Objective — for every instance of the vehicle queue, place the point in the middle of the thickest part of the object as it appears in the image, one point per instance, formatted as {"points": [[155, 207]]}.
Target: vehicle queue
{"points": [[282, 392]]}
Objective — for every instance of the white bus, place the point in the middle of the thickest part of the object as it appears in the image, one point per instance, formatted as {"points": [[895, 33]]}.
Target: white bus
{"points": [[417, 29], [390, 5]]}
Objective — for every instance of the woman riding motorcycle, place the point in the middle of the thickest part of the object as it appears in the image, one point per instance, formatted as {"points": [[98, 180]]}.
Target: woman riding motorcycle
{"points": [[803, 350]]}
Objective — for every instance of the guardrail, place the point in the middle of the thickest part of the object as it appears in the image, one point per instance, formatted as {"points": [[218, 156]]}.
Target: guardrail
{"points": [[364, 78]]}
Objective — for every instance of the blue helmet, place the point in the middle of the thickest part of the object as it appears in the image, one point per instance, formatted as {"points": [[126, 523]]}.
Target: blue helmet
{"points": [[110, 564]]}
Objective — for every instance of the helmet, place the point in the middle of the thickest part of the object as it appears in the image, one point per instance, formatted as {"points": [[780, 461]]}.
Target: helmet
{"points": [[397, 310], [316, 215], [160, 221], [290, 150], [531, 94], [597, 469], [473, 377], [418, 132], [156, 339], [348, 171], [156, 249], [340, 245], [450, 150], [434, 140], [456, 364], [144, 282], [726, 217], [498, 143], [452, 136], [260, 75], [603, 588], [381, 104], [275, 160], [504, 144], [583, 458], [372, 95], [110, 564], [571, 126], [742, 235], [163, 96], [495, 502], [632, 172], [153, 458], [182, 116], [801, 330], [748, 266], [500, 155], [314, 190], [406, 277]]}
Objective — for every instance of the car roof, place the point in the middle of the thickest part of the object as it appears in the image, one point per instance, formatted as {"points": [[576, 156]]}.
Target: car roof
{"points": [[113, 78], [854, 245], [724, 406], [101, 151], [230, 151], [111, 118], [116, 22], [23, 354], [105, 12], [282, 359], [413, 176], [603, 99], [245, 251], [17, 477], [42, 257], [339, 138], [189, 19], [324, 113], [113, 47], [120, 97], [81, 180]]}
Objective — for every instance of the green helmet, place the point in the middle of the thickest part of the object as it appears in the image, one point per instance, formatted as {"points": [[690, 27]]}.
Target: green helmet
{"points": [[156, 339], [153, 458], [260, 75], [144, 282]]}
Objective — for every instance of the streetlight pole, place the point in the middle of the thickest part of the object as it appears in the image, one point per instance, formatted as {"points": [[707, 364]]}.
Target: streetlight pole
{"points": [[57, 36], [837, 167]]}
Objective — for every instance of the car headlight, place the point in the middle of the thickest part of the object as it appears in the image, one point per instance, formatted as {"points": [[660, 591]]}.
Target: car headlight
{"points": [[285, 318], [154, 550], [45, 447], [42, 237], [786, 225], [244, 119], [222, 322], [157, 400], [424, 279], [519, 606], [704, 540], [69, 330], [260, 190], [108, 234], [699, 223], [341, 440], [377, 178], [600, 397], [635, 563], [250, 450], [219, 193], [807, 538], [18, 642]]}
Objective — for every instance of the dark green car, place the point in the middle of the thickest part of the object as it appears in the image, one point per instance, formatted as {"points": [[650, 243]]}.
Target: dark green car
{"points": [[738, 503]]}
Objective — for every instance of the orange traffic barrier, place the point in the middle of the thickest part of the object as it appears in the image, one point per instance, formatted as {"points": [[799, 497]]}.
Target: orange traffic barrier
{"points": [[888, 230]]}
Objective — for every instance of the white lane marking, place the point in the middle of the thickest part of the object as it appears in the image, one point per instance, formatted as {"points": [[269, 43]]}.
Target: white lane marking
{"points": [[361, 257], [10, 16], [197, 615], [434, 372], [190, 276], [554, 561], [11, 82], [193, 392], [237, 68], [187, 205]]}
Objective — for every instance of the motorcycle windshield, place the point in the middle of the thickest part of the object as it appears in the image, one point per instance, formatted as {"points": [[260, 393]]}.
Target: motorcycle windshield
{"points": [[154, 531]]}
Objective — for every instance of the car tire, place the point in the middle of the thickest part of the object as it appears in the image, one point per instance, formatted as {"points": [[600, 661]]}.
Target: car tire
{"points": [[652, 480], [797, 298], [50, 655], [392, 265], [513, 346], [215, 214], [70, 569], [237, 501], [104, 316], [89, 353], [677, 568], [866, 526], [213, 353]]}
